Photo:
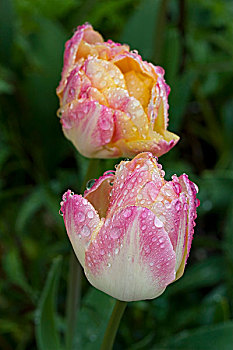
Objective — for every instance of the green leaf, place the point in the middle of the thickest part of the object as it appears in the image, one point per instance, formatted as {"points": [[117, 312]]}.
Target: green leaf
{"points": [[47, 336], [31, 204], [214, 337], [93, 319], [13, 267]]}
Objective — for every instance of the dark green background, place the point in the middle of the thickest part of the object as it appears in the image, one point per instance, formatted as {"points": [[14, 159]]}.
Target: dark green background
{"points": [[193, 41]]}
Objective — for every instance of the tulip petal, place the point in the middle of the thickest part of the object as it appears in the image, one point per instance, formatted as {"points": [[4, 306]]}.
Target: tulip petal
{"points": [[103, 74], [84, 32], [81, 221], [158, 145], [190, 190], [99, 194], [120, 100], [89, 125], [131, 177], [131, 257]]}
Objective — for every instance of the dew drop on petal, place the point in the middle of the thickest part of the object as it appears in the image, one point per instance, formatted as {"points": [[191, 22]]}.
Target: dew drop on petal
{"points": [[85, 231], [104, 124], [158, 223], [90, 214], [109, 265], [90, 183], [115, 232], [80, 216], [127, 213]]}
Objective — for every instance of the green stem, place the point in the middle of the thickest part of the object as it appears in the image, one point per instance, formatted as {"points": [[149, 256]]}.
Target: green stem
{"points": [[113, 325], [75, 274]]}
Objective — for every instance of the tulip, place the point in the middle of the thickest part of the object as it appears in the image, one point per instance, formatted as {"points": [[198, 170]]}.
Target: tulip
{"points": [[112, 103], [132, 230]]}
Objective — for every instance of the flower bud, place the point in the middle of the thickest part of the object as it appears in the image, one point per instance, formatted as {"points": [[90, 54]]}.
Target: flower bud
{"points": [[112, 103], [132, 230]]}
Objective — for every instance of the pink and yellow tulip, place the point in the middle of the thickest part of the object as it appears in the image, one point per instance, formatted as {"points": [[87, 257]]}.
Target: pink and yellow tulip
{"points": [[112, 103], [132, 230]]}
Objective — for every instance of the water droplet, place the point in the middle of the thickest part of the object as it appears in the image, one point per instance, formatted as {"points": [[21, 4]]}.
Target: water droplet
{"points": [[143, 227], [127, 213], [134, 129], [102, 84], [85, 231], [116, 250], [90, 214], [109, 265], [102, 252], [151, 264], [115, 232], [104, 124], [80, 216], [90, 184], [60, 212], [71, 91], [158, 223]]}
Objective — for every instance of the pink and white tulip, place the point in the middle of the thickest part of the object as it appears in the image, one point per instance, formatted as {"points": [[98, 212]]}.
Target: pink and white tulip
{"points": [[132, 230], [112, 103]]}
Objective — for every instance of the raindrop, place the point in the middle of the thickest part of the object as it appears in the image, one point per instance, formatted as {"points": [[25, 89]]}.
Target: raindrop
{"points": [[90, 214], [127, 213], [158, 223], [104, 124], [71, 91], [90, 184], [85, 231], [116, 250], [109, 265], [60, 212], [151, 264], [80, 216], [115, 232]]}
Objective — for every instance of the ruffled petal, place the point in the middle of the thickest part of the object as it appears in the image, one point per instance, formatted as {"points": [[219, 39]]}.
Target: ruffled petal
{"points": [[131, 258], [81, 221], [89, 125], [190, 190], [99, 194]]}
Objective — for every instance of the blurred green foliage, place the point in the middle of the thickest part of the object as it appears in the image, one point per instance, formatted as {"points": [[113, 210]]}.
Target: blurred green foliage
{"points": [[193, 41]]}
